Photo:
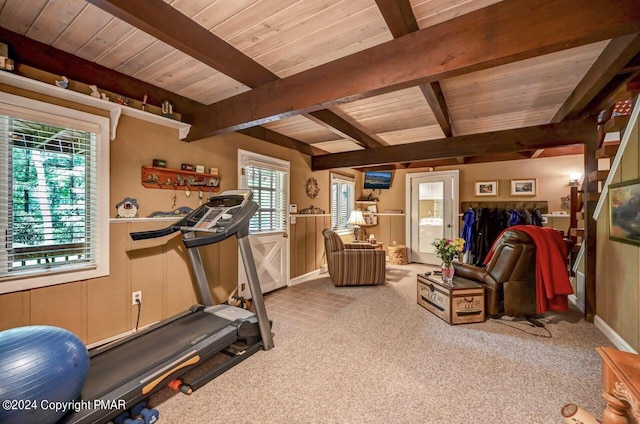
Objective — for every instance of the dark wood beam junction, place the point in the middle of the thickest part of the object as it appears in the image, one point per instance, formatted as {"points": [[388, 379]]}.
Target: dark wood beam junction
{"points": [[499, 142], [167, 24], [465, 44], [401, 21]]}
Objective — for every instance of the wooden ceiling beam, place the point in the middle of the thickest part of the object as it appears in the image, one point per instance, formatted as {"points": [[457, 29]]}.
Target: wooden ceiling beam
{"points": [[398, 16], [339, 126], [619, 88], [508, 141], [501, 33], [611, 61], [50, 59], [273, 137], [167, 24], [401, 21]]}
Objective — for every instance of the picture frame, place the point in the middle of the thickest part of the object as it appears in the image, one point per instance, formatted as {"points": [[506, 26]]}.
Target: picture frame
{"points": [[486, 188], [372, 208], [624, 218], [524, 187]]}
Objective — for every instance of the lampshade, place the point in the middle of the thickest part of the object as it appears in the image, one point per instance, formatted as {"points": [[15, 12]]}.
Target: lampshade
{"points": [[356, 218]]}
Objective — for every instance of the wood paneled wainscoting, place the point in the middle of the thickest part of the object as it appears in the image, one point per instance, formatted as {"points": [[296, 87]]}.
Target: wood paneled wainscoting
{"points": [[307, 244], [99, 309]]}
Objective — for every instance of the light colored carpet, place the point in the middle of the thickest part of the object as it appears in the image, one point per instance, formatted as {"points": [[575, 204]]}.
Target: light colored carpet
{"points": [[385, 359]]}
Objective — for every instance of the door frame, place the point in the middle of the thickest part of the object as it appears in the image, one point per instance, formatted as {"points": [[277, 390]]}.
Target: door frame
{"points": [[454, 174], [285, 165]]}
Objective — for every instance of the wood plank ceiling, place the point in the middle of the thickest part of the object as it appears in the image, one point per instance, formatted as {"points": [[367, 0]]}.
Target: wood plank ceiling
{"points": [[371, 82]]}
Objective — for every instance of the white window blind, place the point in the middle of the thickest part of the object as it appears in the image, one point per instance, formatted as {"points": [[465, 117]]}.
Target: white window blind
{"points": [[342, 201], [269, 186], [49, 187]]}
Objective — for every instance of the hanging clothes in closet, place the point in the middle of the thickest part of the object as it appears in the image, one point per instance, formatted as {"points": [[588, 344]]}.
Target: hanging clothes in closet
{"points": [[488, 225]]}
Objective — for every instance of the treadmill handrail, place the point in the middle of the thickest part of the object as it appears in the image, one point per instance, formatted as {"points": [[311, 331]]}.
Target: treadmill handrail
{"points": [[142, 235]]}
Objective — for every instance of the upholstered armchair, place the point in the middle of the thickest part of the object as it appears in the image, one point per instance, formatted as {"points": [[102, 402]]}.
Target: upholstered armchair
{"points": [[358, 266], [509, 277]]}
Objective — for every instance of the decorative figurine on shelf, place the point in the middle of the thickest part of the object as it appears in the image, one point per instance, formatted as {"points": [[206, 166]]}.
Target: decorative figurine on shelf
{"points": [[94, 91], [167, 109], [144, 103], [123, 100], [127, 208], [63, 83]]}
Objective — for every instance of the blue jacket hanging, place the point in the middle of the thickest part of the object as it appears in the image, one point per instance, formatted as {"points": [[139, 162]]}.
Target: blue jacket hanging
{"points": [[469, 219], [514, 219]]}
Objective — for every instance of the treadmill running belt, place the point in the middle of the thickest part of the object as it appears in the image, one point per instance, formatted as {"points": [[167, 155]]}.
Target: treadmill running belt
{"points": [[113, 367]]}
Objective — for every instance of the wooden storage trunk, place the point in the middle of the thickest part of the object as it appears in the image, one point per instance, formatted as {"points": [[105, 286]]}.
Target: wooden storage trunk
{"points": [[459, 303]]}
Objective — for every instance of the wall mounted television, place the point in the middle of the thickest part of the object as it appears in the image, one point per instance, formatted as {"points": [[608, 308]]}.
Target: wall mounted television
{"points": [[376, 180]]}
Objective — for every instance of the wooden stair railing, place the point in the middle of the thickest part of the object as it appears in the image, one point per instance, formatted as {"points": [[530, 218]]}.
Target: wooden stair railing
{"points": [[613, 120]]}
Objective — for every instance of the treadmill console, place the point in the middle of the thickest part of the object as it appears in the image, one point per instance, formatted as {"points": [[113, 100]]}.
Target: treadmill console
{"points": [[226, 213], [217, 213]]}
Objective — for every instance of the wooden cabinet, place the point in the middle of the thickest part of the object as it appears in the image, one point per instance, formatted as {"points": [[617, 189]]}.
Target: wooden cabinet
{"points": [[621, 386], [176, 179]]}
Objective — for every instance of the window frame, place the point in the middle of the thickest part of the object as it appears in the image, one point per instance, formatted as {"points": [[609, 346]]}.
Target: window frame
{"points": [[342, 179], [246, 159], [56, 115]]}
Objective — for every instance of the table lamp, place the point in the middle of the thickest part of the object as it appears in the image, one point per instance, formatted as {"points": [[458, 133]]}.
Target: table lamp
{"points": [[356, 219]]}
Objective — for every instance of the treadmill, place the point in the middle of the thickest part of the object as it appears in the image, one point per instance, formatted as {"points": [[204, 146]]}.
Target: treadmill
{"points": [[134, 367]]}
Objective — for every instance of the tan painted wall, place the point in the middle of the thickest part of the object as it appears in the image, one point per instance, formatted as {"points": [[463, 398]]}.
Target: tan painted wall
{"points": [[101, 308], [618, 264], [552, 174]]}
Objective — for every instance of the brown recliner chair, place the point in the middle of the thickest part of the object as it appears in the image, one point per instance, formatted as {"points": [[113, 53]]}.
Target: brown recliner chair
{"points": [[510, 276]]}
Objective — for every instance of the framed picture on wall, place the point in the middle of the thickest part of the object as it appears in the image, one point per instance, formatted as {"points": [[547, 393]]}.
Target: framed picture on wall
{"points": [[486, 188], [624, 212], [524, 187]]}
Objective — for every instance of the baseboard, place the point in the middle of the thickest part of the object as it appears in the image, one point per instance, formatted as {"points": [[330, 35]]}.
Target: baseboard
{"points": [[574, 299], [306, 277], [612, 335]]}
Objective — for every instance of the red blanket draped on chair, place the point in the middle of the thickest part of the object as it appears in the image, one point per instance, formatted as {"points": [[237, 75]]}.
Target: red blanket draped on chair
{"points": [[552, 280]]}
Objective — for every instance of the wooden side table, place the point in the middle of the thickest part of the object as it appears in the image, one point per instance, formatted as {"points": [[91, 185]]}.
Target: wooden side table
{"points": [[621, 384], [363, 245]]}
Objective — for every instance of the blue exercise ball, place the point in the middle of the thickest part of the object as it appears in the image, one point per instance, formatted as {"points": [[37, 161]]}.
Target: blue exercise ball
{"points": [[40, 367]]}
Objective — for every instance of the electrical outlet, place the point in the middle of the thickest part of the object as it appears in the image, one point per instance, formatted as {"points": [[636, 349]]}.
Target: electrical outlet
{"points": [[136, 297]]}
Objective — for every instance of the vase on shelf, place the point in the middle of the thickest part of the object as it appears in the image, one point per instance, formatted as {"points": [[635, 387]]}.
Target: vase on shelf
{"points": [[447, 273]]}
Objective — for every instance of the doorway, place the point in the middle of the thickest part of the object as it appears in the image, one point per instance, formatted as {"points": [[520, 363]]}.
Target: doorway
{"points": [[268, 178], [432, 205]]}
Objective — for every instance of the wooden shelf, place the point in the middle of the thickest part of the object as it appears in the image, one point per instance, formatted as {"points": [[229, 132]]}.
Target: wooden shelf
{"points": [[176, 179], [115, 109]]}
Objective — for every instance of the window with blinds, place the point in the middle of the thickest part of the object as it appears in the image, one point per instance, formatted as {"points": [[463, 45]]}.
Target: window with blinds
{"points": [[342, 201], [49, 186], [269, 186]]}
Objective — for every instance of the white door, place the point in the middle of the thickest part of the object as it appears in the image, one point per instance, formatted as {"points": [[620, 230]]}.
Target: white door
{"points": [[268, 178], [432, 199]]}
